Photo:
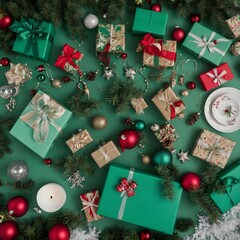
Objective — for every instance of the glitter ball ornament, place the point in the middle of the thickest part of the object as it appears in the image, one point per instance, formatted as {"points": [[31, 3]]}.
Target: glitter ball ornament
{"points": [[191, 85], [9, 230], [18, 170], [99, 122], [4, 62], [17, 206], [195, 18], [145, 235], [59, 232], [162, 157], [90, 21], [178, 34], [156, 7], [191, 181]]}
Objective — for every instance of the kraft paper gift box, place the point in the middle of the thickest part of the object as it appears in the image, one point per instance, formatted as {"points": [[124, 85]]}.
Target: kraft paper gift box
{"points": [[112, 34], [105, 154], [213, 148], [90, 203], [216, 77], [157, 52], [142, 203], [148, 21], [69, 60], [79, 141], [34, 38], [206, 44], [168, 103], [41, 123], [234, 25], [139, 105], [231, 180]]}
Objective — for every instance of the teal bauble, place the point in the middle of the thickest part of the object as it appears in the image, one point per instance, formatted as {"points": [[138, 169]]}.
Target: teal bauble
{"points": [[162, 157], [41, 77], [139, 125]]}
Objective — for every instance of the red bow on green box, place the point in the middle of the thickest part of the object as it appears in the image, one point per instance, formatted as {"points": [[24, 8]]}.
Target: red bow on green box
{"points": [[154, 47]]}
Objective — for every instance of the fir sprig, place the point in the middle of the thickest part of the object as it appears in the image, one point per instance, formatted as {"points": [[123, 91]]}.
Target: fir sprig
{"points": [[184, 224], [168, 175], [75, 162], [120, 95], [24, 185]]}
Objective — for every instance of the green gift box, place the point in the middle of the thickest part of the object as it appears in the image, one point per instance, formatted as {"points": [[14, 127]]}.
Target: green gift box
{"points": [[34, 38], [206, 44], [40, 123], [231, 179], [148, 21], [142, 203]]}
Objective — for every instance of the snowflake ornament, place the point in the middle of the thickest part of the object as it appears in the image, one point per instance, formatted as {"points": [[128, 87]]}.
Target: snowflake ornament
{"points": [[108, 73], [76, 180], [130, 73], [183, 156]]}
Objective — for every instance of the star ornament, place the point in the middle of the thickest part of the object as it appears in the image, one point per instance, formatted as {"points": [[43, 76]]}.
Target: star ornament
{"points": [[130, 73], [108, 73], [183, 156]]}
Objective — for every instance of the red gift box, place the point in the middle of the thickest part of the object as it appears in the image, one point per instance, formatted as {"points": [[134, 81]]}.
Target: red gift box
{"points": [[216, 77]]}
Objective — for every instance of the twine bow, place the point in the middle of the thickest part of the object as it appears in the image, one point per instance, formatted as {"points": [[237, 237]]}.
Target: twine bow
{"points": [[137, 104], [44, 111], [105, 153], [217, 78], [209, 44], [90, 202], [69, 54], [172, 104]]}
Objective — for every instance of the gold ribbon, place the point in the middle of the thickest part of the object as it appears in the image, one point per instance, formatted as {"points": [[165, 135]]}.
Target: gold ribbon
{"points": [[79, 141], [44, 111], [137, 104]]}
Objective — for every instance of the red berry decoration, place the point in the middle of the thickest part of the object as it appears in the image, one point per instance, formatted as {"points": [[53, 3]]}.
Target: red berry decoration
{"points": [[195, 18], [4, 62], [191, 181], [128, 139], [40, 68], [59, 232], [178, 34], [124, 55], [47, 161], [191, 85], [156, 7], [8, 230], [17, 206], [145, 235]]}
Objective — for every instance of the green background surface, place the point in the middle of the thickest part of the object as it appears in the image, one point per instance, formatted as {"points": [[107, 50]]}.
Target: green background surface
{"points": [[43, 174]]}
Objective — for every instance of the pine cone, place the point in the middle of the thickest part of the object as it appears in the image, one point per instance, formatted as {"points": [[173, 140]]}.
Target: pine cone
{"points": [[91, 76], [194, 118]]}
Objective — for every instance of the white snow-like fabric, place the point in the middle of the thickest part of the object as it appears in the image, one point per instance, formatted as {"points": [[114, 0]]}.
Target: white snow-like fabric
{"points": [[90, 234]]}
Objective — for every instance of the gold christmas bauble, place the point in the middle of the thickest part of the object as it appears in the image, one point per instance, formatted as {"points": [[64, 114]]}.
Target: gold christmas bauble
{"points": [[146, 159], [99, 122], [184, 93], [56, 83]]}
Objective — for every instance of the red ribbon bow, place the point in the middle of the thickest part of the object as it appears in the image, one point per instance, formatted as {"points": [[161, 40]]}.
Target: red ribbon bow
{"points": [[178, 103], [155, 47], [103, 56], [68, 55], [127, 186]]}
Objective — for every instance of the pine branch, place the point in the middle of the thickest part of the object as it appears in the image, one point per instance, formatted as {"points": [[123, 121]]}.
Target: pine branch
{"points": [[6, 123], [77, 162], [24, 185], [163, 236], [120, 95], [184, 224], [80, 105]]}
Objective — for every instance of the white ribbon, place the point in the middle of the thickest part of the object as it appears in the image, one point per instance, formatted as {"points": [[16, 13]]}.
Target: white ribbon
{"points": [[124, 195], [208, 44], [105, 153], [217, 78], [90, 204]]}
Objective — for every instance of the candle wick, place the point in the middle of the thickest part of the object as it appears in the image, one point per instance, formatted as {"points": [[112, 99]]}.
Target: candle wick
{"points": [[51, 197]]}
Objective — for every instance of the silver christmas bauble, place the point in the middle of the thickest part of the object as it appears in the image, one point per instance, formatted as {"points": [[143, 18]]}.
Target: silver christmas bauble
{"points": [[90, 21], [18, 170]]}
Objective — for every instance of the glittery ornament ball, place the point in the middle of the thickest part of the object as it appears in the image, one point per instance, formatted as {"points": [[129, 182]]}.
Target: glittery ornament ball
{"points": [[18, 170]]}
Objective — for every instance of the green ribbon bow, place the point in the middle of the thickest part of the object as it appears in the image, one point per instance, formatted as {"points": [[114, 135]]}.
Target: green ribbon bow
{"points": [[43, 112], [230, 183], [30, 30]]}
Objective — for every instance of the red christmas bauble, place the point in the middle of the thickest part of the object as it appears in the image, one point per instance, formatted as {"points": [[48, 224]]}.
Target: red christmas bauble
{"points": [[178, 34], [195, 18], [6, 21], [4, 61], [59, 232], [124, 55], [156, 7], [191, 181], [191, 85], [128, 139], [8, 230], [145, 235], [18, 205]]}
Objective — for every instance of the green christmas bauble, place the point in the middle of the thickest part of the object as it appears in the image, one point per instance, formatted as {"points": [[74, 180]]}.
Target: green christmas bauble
{"points": [[162, 157], [139, 125]]}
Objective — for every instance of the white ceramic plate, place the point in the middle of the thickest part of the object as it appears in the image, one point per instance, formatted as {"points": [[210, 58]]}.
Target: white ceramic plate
{"points": [[225, 109], [208, 109]]}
